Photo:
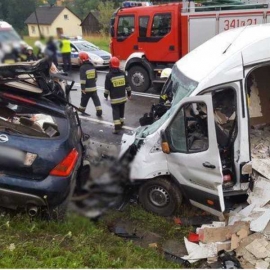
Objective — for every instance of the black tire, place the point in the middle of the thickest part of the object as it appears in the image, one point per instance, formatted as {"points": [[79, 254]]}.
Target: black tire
{"points": [[138, 79], [160, 196]]}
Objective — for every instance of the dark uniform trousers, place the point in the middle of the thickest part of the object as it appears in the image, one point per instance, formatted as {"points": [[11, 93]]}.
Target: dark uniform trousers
{"points": [[116, 85], [118, 111], [85, 98], [66, 61], [88, 76]]}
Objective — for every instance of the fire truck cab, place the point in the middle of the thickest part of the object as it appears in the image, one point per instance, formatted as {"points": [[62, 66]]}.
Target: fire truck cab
{"points": [[150, 38]]}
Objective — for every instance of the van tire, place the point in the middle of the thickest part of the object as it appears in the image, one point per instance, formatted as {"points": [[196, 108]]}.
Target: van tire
{"points": [[138, 79], [160, 196]]}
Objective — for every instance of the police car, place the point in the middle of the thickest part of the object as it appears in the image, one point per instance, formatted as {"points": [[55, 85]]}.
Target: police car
{"points": [[99, 58]]}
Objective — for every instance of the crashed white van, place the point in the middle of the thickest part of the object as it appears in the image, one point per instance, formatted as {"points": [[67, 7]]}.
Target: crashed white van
{"points": [[198, 148]]}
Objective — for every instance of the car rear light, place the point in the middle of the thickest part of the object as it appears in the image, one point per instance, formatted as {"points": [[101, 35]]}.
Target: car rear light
{"points": [[65, 167]]}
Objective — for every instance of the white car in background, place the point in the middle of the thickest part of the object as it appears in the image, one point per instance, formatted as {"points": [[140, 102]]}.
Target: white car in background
{"points": [[99, 58]]}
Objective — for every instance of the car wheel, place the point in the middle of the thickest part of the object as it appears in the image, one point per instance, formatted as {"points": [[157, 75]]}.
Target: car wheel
{"points": [[138, 79], [160, 196]]}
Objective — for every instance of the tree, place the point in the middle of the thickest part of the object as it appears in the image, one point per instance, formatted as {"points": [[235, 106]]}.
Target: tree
{"points": [[81, 7], [106, 10], [16, 12]]}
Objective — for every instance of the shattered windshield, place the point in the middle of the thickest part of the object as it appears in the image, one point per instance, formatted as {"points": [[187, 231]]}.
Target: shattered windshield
{"points": [[182, 86], [9, 35], [85, 46]]}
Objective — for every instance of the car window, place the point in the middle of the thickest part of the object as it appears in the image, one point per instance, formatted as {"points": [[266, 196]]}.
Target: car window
{"points": [[161, 25], [9, 35], [86, 46], [125, 26]]}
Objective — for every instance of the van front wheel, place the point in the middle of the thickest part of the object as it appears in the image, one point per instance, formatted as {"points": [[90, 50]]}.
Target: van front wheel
{"points": [[160, 196]]}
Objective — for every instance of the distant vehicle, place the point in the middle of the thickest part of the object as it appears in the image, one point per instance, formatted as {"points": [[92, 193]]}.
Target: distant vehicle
{"points": [[99, 58], [7, 33]]}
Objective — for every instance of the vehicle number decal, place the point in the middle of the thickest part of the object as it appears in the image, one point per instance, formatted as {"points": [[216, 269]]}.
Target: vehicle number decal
{"points": [[118, 82], [90, 74], [234, 23]]}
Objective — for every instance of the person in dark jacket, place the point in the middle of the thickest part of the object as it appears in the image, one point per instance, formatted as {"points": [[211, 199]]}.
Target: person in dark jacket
{"points": [[51, 50], [88, 77], [116, 85]]}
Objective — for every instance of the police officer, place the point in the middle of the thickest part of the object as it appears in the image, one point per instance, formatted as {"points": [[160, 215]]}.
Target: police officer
{"points": [[88, 77], [65, 47], [116, 85]]}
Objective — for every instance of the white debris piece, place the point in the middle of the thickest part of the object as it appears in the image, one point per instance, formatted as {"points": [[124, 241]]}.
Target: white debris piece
{"points": [[262, 166], [259, 224], [260, 195], [197, 252]]}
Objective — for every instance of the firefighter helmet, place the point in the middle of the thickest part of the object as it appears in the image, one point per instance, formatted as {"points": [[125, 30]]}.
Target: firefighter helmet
{"points": [[165, 73], [114, 62], [84, 56]]}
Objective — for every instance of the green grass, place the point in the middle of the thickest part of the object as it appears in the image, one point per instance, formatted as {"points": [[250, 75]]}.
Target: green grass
{"points": [[80, 243], [100, 41]]}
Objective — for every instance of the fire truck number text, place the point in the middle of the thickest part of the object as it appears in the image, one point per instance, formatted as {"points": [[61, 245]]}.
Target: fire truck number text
{"points": [[229, 24]]}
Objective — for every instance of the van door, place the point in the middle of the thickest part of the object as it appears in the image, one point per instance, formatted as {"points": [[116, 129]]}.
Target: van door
{"points": [[194, 159]]}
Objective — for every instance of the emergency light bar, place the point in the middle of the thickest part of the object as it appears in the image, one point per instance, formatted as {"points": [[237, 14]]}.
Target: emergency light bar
{"points": [[128, 4]]}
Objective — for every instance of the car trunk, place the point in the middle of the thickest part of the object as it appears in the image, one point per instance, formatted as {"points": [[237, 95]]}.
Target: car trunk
{"points": [[33, 138]]}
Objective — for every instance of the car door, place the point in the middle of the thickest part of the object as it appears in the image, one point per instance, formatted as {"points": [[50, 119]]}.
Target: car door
{"points": [[194, 159]]}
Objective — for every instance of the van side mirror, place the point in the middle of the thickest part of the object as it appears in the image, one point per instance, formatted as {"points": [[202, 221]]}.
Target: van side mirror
{"points": [[164, 143]]}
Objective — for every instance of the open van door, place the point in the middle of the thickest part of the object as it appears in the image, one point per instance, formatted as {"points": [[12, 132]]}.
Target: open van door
{"points": [[193, 158]]}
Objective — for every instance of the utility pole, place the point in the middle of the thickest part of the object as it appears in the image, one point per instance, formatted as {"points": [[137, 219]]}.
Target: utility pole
{"points": [[37, 20]]}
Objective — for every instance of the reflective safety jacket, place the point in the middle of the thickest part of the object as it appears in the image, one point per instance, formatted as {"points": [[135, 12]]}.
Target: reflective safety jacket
{"points": [[116, 85], [65, 46], [88, 77]]}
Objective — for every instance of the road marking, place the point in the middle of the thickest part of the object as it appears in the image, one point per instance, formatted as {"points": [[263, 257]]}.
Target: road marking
{"points": [[101, 88], [102, 71], [103, 122]]}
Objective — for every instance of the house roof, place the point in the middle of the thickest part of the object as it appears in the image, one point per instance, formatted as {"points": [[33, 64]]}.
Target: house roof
{"points": [[46, 15], [95, 13]]}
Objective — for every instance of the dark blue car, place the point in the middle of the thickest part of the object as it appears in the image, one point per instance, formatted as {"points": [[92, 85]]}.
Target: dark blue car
{"points": [[41, 142]]}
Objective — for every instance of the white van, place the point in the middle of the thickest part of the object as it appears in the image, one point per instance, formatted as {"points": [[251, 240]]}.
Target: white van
{"points": [[198, 148]]}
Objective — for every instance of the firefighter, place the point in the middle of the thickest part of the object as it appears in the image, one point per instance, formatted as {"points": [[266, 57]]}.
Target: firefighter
{"points": [[30, 54], [88, 77], [116, 85], [166, 92], [65, 47]]}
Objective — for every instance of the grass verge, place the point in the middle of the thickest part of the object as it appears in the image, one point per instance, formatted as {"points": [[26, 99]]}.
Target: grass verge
{"points": [[80, 243]]}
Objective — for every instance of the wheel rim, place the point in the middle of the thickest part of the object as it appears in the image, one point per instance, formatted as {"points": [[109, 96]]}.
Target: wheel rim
{"points": [[159, 196], [137, 79]]}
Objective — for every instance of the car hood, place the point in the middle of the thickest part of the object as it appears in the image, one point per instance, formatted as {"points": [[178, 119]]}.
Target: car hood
{"points": [[99, 53]]}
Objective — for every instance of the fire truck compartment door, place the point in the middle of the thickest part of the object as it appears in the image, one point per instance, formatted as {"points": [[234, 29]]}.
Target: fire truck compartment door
{"points": [[201, 29], [199, 171]]}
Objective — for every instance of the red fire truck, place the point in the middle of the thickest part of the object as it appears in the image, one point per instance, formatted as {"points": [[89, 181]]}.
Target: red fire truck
{"points": [[150, 38]]}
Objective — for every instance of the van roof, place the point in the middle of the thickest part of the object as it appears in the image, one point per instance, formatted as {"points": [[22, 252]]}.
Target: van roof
{"points": [[226, 53]]}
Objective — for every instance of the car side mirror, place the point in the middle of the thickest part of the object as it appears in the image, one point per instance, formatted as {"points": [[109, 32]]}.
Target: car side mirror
{"points": [[164, 143], [73, 50]]}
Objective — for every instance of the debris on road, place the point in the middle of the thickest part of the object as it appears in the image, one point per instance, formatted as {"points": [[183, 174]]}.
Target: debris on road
{"points": [[242, 242]]}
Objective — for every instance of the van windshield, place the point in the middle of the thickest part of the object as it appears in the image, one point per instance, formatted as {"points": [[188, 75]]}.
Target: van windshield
{"points": [[182, 86], [9, 35]]}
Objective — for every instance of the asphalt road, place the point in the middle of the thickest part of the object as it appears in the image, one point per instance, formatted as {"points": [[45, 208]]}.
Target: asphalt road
{"points": [[100, 128]]}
